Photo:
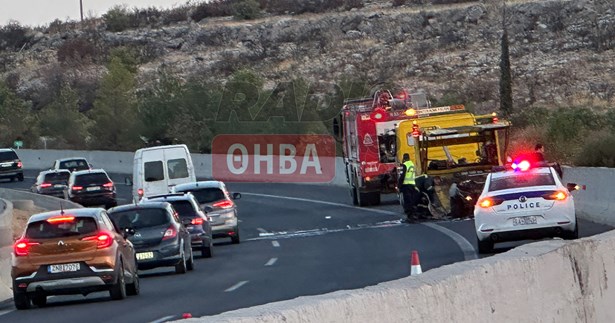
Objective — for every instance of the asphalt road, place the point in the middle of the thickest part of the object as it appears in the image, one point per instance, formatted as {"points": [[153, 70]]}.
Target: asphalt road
{"points": [[297, 240]]}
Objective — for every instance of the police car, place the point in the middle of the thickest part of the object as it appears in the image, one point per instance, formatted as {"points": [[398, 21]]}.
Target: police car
{"points": [[524, 201]]}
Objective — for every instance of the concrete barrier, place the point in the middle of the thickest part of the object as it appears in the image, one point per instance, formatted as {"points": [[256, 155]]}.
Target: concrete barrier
{"points": [[597, 202], [549, 281]]}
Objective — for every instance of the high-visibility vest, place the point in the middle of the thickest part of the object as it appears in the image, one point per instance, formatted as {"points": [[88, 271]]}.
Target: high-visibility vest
{"points": [[409, 179]]}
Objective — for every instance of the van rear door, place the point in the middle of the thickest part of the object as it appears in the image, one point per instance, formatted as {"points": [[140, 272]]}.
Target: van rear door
{"points": [[154, 172], [179, 166]]}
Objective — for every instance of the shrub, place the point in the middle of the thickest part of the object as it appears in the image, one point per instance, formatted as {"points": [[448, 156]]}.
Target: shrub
{"points": [[397, 3], [215, 8], [13, 36], [175, 15], [599, 151], [246, 10], [117, 19], [76, 50]]}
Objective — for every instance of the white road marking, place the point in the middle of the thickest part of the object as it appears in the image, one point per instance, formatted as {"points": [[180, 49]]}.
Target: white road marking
{"points": [[275, 243], [164, 319], [271, 262], [328, 217], [6, 312], [30, 177], [261, 230], [467, 248], [236, 286], [348, 226]]}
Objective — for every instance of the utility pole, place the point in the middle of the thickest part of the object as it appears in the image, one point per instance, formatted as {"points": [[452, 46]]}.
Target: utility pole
{"points": [[81, 9]]}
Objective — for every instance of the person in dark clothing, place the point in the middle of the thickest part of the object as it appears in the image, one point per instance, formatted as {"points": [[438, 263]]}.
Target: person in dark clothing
{"points": [[539, 153]]}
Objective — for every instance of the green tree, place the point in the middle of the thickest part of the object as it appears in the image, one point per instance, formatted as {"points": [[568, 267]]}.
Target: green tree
{"points": [[246, 9], [62, 120], [506, 101], [116, 126], [16, 122], [158, 106]]}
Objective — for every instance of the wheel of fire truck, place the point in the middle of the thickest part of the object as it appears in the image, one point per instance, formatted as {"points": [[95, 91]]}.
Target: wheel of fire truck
{"points": [[374, 198]]}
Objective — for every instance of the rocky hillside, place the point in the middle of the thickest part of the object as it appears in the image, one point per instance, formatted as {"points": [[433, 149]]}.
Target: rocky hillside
{"points": [[562, 52]]}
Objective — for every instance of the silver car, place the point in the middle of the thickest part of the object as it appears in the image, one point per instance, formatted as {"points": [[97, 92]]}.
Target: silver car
{"points": [[219, 204]]}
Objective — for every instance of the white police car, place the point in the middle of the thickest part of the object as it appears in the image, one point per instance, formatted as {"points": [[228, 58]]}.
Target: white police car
{"points": [[524, 202]]}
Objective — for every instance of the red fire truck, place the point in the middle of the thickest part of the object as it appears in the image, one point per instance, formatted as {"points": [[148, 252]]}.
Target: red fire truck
{"points": [[367, 131]]}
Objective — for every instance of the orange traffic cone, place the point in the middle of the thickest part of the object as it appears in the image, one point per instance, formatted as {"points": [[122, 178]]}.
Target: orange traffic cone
{"points": [[415, 265]]}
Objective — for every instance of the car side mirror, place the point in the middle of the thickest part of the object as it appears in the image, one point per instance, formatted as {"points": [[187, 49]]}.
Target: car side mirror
{"points": [[575, 187], [128, 232], [128, 181], [236, 196]]}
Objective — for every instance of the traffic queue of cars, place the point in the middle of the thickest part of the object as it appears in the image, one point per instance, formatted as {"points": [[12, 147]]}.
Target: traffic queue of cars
{"points": [[81, 251]]}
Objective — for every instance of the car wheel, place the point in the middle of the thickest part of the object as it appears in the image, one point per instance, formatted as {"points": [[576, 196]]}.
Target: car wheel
{"points": [[21, 300], [190, 263], [235, 238], [206, 251], [353, 193], [135, 287], [20, 177], [118, 290], [572, 235], [39, 300], [485, 246], [374, 198], [180, 268]]}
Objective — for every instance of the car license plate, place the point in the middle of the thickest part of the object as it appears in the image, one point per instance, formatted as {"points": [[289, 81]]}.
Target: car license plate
{"points": [[524, 220], [93, 188], [145, 255], [6, 164], [64, 268], [58, 186]]}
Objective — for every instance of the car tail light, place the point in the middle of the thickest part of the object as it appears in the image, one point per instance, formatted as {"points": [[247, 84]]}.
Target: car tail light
{"points": [[103, 240], [557, 195], [223, 204], [169, 234], [19, 164], [77, 188], [140, 192], [108, 185], [45, 185], [22, 247], [197, 221], [488, 202], [61, 219]]}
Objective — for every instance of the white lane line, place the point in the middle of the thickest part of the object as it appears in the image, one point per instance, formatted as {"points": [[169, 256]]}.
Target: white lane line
{"points": [[468, 250], [164, 319], [271, 262], [236, 286], [30, 177], [6, 312], [275, 243], [261, 230]]}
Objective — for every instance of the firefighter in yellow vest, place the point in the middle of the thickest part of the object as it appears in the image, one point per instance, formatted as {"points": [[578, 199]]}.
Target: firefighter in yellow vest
{"points": [[407, 187]]}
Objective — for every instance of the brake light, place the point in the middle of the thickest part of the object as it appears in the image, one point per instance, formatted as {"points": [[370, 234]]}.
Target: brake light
{"points": [[108, 185], [523, 165], [488, 202], [197, 221], [77, 188], [169, 234], [19, 164], [140, 192], [61, 219], [223, 204], [45, 185], [22, 247], [103, 240], [558, 196]]}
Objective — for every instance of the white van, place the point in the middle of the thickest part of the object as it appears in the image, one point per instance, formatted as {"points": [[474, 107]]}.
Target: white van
{"points": [[157, 170]]}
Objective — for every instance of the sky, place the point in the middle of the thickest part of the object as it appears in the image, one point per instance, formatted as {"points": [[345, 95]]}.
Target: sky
{"points": [[42, 12]]}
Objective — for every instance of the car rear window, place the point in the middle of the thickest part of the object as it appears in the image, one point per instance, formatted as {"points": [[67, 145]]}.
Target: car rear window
{"points": [[8, 155], [94, 178], [57, 177], [46, 230], [140, 218], [184, 208], [79, 164], [520, 181], [208, 195], [153, 171]]}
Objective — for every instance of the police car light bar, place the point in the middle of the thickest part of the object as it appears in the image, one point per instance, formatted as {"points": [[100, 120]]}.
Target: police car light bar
{"points": [[523, 165]]}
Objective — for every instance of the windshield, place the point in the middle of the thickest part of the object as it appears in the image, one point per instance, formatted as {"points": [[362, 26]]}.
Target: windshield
{"points": [[57, 177], [140, 218], [520, 181], [77, 164], [8, 155], [94, 178], [207, 195], [46, 230], [184, 208]]}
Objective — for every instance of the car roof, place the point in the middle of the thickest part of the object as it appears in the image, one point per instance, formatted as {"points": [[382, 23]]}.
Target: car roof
{"points": [[6, 149], [91, 212], [144, 205], [509, 173], [71, 158], [169, 197], [200, 184], [45, 172], [89, 171]]}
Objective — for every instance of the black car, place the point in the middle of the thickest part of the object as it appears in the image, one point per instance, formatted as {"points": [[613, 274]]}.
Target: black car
{"points": [[10, 165], [188, 209], [51, 182], [158, 236], [92, 188]]}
